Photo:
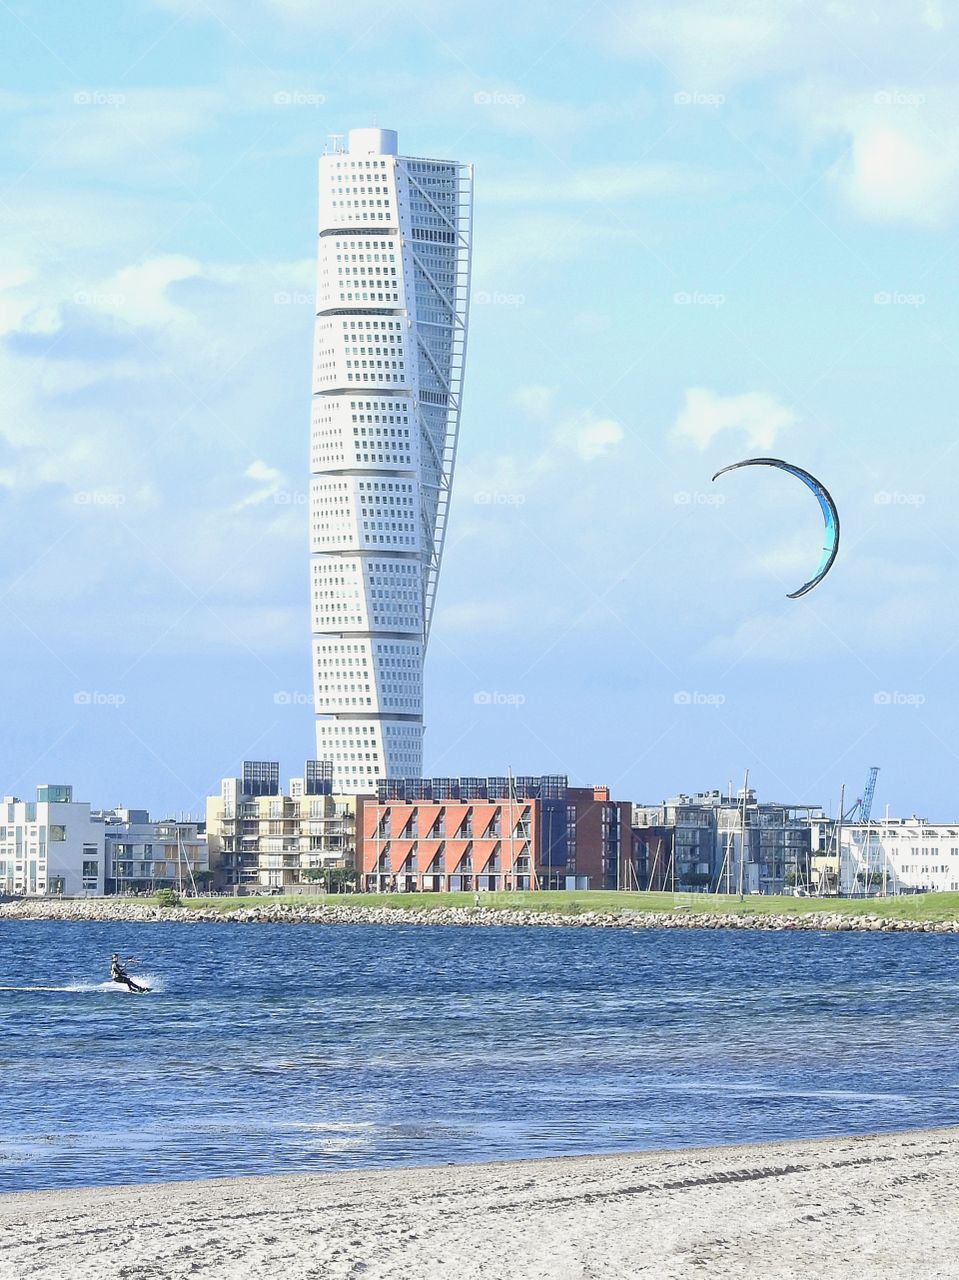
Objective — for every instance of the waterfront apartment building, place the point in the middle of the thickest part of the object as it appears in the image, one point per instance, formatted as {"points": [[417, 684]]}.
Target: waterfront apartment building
{"points": [[144, 855], [388, 356], [497, 833], [888, 856], [713, 841], [51, 845], [260, 838]]}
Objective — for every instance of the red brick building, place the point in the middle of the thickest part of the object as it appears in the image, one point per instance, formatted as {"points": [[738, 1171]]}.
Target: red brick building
{"points": [[464, 834]]}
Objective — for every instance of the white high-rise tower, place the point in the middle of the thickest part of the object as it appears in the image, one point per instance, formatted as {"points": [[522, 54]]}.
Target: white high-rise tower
{"points": [[390, 341]]}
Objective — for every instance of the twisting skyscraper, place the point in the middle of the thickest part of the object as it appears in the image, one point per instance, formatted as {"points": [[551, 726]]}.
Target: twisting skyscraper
{"points": [[390, 341]]}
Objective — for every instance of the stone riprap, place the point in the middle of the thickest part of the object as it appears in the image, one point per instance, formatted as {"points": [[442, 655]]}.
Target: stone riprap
{"points": [[336, 912]]}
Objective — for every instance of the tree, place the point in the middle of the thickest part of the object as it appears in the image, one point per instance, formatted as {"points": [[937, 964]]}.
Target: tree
{"points": [[333, 879], [870, 879]]}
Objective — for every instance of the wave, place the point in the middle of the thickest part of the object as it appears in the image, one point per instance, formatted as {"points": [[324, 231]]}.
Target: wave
{"points": [[74, 986], [150, 980]]}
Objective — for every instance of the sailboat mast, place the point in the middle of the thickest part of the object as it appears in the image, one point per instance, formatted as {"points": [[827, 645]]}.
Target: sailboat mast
{"points": [[742, 836], [842, 801]]}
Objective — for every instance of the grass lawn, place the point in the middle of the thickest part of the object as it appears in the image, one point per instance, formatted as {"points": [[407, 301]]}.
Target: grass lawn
{"points": [[920, 907]]}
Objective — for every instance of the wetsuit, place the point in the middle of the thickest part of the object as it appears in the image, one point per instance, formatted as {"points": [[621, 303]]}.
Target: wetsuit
{"points": [[117, 974]]}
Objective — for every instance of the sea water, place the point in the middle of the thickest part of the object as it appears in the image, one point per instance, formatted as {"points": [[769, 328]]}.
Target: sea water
{"points": [[270, 1048]]}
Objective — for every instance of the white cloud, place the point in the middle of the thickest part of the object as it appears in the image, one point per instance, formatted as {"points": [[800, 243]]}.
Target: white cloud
{"points": [[583, 434], [896, 177], [270, 482], [593, 438], [106, 129], [705, 46], [128, 416], [705, 414], [900, 158], [792, 634], [18, 304], [509, 480], [139, 294], [871, 88], [536, 402]]}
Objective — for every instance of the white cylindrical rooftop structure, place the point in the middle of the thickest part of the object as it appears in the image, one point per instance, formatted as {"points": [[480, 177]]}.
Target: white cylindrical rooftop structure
{"points": [[373, 142]]}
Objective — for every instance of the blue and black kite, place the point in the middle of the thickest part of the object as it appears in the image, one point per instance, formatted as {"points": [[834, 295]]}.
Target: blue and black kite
{"points": [[830, 514]]}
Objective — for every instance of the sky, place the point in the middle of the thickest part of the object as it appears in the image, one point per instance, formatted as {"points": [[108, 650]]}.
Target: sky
{"points": [[701, 232]]}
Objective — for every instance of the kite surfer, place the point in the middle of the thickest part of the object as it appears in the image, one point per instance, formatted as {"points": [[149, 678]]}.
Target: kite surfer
{"points": [[119, 974]]}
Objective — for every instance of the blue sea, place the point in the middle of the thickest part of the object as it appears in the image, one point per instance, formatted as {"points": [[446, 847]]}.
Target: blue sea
{"points": [[267, 1049]]}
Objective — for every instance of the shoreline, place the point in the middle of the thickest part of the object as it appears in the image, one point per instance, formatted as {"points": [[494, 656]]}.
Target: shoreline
{"points": [[126, 911], [856, 1207]]}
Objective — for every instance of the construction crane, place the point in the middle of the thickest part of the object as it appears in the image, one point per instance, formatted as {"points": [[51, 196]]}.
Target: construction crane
{"points": [[865, 804], [862, 809]]}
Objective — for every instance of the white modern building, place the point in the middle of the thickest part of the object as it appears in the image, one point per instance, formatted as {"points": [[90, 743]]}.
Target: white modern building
{"points": [[51, 845], [892, 855], [389, 348]]}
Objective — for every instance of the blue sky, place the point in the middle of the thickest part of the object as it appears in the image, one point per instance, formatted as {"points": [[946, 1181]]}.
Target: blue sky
{"points": [[701, 232]]}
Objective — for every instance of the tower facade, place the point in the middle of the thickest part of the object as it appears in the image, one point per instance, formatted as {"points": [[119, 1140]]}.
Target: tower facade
{"points": [[389, 348]]}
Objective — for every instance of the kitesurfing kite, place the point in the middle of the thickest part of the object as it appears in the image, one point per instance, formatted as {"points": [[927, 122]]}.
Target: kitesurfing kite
{"points": [[829, 512]]}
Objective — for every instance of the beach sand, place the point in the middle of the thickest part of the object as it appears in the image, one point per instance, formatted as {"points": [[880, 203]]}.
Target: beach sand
{"points": [[882, 1206]]}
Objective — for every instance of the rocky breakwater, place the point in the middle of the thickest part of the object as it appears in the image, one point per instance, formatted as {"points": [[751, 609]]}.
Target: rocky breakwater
{"points": [[341, 911]]}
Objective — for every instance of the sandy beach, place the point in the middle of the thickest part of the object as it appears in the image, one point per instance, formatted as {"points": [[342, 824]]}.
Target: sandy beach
{"points": [[855, 1208]]}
